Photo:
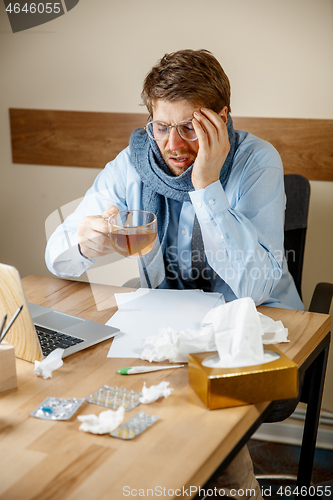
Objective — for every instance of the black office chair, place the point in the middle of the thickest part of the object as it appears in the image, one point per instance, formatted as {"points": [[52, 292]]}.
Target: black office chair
{"points": [[297, 190]]}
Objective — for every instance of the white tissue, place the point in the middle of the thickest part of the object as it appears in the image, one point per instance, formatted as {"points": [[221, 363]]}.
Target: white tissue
{"points": [[107, 421], [176, 346], [273, 331], [52, 362], [238, 334], [154, 392]]}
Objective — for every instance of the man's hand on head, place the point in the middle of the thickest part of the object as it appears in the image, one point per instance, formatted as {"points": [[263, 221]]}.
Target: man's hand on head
{"points": [[214, 146], [93, 234]]}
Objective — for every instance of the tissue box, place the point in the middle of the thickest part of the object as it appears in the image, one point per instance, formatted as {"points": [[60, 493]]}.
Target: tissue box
{"points": [[226, 387], [7, 367]]}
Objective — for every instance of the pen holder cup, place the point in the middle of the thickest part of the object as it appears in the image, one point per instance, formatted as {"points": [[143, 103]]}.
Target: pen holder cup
{"points": [[8, 378]]}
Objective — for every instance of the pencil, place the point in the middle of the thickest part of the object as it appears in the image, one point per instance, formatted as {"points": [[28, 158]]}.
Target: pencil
{"points": [[10, 323], [3, 324]]}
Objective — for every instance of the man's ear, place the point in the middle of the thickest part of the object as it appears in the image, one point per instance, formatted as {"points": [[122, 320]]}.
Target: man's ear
{"points": [[224, 114]]}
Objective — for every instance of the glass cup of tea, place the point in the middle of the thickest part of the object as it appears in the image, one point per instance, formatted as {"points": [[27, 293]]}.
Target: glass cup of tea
{"points": [[133, 233]]}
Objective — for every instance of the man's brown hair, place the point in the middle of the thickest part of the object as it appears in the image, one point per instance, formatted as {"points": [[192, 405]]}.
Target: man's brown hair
{"points": [[195, 76]]}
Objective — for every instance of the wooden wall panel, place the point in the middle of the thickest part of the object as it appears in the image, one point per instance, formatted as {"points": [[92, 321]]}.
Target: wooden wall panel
{"points": [[305, 146], [90, 139], [70, 138]]}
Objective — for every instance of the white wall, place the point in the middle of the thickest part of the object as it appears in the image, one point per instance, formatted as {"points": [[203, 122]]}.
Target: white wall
{"points": [[277, 54]]}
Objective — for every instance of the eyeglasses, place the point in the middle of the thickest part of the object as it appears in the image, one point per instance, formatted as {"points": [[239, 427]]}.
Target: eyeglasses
{"points": [[159, 131]]}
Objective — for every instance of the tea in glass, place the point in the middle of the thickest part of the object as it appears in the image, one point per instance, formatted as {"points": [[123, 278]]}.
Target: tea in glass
{"points": [[133, 233]]}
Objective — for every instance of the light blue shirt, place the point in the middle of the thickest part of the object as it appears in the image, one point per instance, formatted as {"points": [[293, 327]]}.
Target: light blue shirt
{"points": [[242, 226]]}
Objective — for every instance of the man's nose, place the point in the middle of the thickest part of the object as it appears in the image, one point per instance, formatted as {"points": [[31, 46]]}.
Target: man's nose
{"points": [[175, 141]]}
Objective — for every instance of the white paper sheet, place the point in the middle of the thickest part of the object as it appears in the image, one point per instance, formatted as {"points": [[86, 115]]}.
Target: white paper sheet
{"points": [[143, 312]]}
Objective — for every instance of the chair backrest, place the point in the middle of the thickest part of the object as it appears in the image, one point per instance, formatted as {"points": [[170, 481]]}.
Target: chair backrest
{"points": [[297, 190]]}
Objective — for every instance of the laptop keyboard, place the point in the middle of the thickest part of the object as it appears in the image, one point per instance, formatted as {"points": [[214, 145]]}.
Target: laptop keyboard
{"points": [[51, 339]]}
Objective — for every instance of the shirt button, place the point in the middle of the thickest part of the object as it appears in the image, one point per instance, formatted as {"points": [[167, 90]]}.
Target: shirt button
{"points": [[184, 266], [199, 204], [211, 202], [222, 237], [183, 231]]}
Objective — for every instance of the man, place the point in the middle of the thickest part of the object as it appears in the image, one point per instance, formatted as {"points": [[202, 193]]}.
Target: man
{"points": [[217, 193], [227, 182]]}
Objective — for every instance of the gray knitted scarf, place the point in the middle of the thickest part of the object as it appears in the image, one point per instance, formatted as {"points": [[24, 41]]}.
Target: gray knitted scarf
{"points": [[159, 184]]}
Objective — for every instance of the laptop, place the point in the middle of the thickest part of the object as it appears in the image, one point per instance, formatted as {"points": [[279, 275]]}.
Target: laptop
{"points": [[38, 330]]}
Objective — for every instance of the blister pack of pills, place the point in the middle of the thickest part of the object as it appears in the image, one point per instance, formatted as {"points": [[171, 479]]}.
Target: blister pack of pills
{"points": [[113, 397], [57, 408], [134, 426]]}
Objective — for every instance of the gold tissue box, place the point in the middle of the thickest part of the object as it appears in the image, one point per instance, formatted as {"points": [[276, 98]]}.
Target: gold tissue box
{"points": [[225, 387]]}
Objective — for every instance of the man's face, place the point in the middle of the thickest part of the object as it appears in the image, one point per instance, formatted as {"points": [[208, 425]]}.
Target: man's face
{"points": [[178, 153]]}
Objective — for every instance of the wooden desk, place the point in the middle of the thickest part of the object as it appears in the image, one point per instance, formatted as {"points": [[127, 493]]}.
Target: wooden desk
{"points": [[55, 461]]}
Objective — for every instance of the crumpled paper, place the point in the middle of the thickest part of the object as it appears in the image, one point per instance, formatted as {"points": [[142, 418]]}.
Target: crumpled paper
{"points": [[175, 346], [104, 423], [154, 392], [52, 362]]}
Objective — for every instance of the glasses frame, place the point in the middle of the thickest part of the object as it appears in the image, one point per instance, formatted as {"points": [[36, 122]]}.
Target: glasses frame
{"points": [[169, 127]]}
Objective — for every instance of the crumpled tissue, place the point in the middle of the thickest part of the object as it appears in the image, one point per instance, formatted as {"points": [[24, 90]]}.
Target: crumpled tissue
{"points": [[273, 331], [237, 325], [52, 362], [176, 346], [154, 392], [107, 421]]}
